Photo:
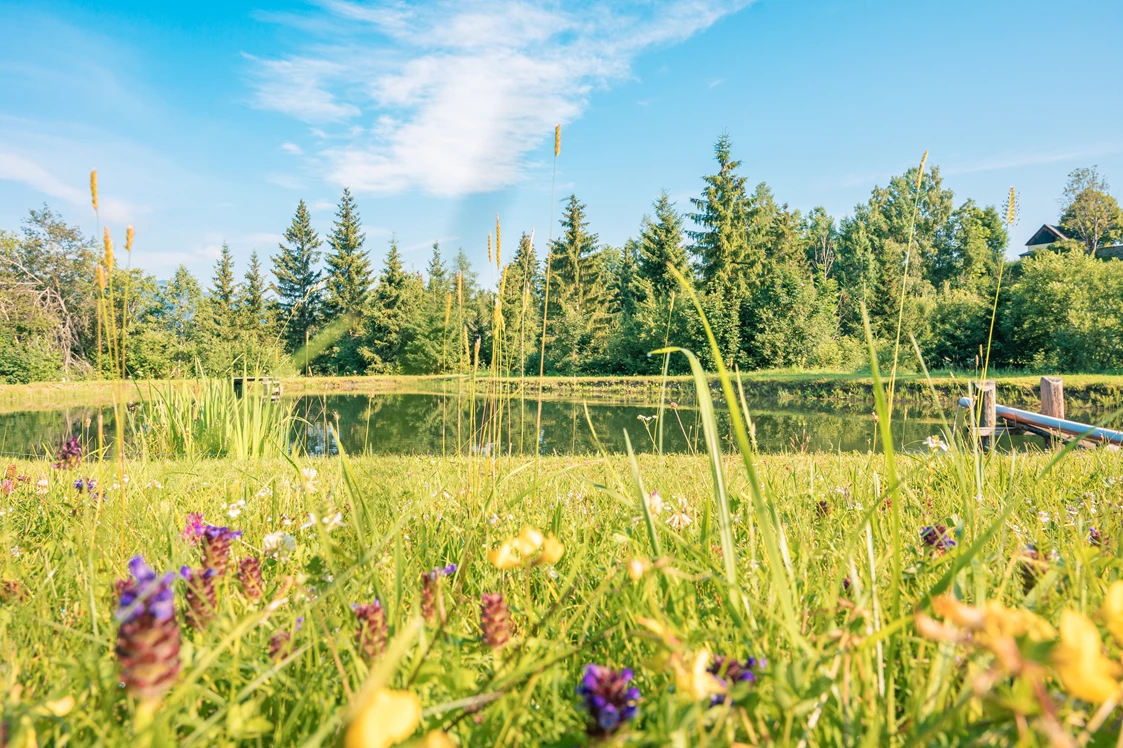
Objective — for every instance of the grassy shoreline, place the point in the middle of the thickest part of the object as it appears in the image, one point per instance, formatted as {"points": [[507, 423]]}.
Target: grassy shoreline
{"points": [[854, 389]]}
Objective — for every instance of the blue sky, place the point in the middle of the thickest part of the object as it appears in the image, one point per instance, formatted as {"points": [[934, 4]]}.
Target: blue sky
{"points": [[208, 121]]}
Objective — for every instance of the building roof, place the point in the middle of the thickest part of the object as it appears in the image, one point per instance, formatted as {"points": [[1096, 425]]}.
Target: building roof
{"points": [[1047, 234]]}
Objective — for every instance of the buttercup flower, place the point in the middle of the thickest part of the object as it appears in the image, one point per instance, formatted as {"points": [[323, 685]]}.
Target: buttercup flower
{"points": [[148, 636], [694, 678], [608, 699], [1080, 662], [523, 550], [384, 718]]}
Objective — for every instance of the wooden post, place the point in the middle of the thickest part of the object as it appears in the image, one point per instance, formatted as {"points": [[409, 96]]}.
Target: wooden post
{"points": [[988, 418], [1052, 403]]}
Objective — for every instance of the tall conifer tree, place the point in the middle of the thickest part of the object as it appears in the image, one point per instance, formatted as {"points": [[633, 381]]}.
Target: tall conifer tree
{"points": [[348, 270], [297, 279]]}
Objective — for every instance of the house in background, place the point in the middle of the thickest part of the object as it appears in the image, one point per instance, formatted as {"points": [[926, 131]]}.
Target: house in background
{"points": [[1049, 234]]}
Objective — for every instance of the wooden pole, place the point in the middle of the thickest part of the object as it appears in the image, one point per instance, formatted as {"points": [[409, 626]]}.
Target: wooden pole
{"points": [[1052, 403], [988, 418]]}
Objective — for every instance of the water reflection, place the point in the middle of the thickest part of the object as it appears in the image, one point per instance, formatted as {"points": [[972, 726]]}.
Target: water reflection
{"points": [[444, 424]]}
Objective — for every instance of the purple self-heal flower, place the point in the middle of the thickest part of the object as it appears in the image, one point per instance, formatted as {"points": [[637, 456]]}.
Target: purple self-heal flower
{"points": [[216, 547], [608, 699], [69, 454], [148, 636], [936, 537], [729, 672], [194, 528]]}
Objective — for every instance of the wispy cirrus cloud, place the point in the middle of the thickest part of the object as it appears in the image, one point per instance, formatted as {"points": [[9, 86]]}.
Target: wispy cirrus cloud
{"points": [[450, 98], [18, 168]]}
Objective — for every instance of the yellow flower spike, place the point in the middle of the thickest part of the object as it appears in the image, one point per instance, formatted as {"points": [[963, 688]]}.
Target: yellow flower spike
{"points": [[697, 681], [1112, 611], [528, 541], [387, 717], [552, 550], [504, 557], [1080, 662], [60, 708]]}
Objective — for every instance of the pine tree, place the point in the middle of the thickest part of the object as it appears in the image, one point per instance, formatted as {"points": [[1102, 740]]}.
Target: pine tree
{"points": [[391, 311], [297, 284], [223, 285], [522, 315], [661, 244], [251, 298], [721, 247], [349, 275], [430, 348]]}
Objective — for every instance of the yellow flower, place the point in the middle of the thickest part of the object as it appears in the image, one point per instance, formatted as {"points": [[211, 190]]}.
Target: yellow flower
{"points": [[437, 739], [387, 717], [697, 681], [60, 708], [528, 541], [1112, 611], [504, 557], [637, 567], [1080, 662], [552, 550]]}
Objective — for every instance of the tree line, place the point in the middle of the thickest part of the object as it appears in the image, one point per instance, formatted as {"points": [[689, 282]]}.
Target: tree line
{"points": [[779, 288]]}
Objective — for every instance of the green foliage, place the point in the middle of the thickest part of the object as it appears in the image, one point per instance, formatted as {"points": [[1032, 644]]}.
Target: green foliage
{"points": [[387, 332], [297, 283], [348, 270]]}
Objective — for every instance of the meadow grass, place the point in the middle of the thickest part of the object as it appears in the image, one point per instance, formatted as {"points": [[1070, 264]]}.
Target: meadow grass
{"points": [[848, 669]]}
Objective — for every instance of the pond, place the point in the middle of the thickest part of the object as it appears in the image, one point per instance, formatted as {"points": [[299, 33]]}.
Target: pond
{"points": [[440, 424]]}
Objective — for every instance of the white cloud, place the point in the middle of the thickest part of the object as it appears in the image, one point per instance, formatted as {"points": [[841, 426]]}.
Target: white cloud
{"points": [[18, 168], [292, 148], [450, 98]]}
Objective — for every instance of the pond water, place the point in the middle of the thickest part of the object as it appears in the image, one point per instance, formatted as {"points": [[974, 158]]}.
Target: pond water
{"points": [[439, 424]]}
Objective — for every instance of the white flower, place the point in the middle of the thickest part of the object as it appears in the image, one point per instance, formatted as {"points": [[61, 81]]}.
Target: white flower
{"points": [[308, 476], [236, 508], [16, 551], [42, 485], [310, 523], [278, 545], [655, 504], [935, 443], [265, 493], [334, 521], [681, 519], [1044, 517]]}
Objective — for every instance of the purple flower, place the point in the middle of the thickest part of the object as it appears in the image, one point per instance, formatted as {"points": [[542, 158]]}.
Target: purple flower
{"points": [[148, 636], [69, 455], [194, 529], [1095, 538], [936, 537], [607, 697], [216, 547], [87, 484], [372, 630], [730, 672]]}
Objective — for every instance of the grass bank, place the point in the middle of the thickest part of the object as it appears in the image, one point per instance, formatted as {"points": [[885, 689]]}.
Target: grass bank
{"points": [[844, 388], [826, 615]]}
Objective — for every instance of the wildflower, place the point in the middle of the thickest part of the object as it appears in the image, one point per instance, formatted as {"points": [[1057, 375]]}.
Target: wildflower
{"points": [[87, 484], [69, 455], [249, 574], [637, 567], [431, 594], [280, 644], [528, 548], [16, 552], [265, 493], [235, 508], [729, 672], [7, 486], [384, 718], [608, 699], [371, 634], [1030, 567], [494, 620], [936, 537], [655, 504], [1080, 662], [935, 444], [696, 680], [11, 589], [1095, 539], [154, 484], [201, 602], [278, 546], [334, 521], [1044, 518], [822, 508], [216, 547], [148, 636], [1112, 611], [308, 478], [42, 486], [680, 519], [194, 528]]}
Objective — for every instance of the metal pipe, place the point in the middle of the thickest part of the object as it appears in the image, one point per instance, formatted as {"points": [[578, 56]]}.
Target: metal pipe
{"points": [[1070, 428]]}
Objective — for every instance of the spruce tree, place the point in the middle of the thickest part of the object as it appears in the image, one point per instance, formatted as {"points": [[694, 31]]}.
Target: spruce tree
{"points": [[661, 244], [223, 285], [521, 303], [297, 279], [251, 297], [429, 348], [349, 273], [391, 308]]}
